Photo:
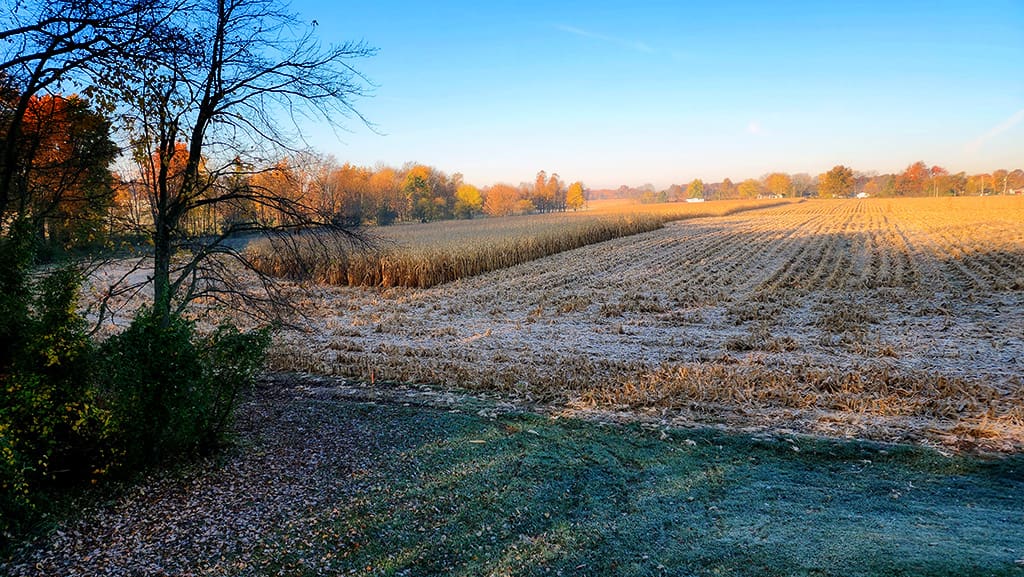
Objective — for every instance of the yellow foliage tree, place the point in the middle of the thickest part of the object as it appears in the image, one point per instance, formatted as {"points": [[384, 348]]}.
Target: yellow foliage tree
{"points": [[779, 184], [468, 201], [575, 198], [836, 183], [695, 189], [749, 188]]}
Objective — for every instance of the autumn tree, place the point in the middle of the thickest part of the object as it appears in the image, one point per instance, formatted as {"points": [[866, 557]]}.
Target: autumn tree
{"points": [[695, 189], [749, 188], [872, 187], [727, 189], [429, 193], [779, 184], [836, 183], [1001, 178], [575, 197], [939, 181], [49, 45], [538, 194], [387, 194], [548, 192], [468, 201], [62, 177], [337, 192], [419, 193], [277, 180], [501, 200], [913, 181]]}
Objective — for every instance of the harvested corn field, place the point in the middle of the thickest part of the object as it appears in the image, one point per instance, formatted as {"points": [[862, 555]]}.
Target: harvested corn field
{"points": [[429, 254], [888, 319]]}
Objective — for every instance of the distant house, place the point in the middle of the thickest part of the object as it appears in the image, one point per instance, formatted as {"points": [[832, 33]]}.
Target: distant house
{"points": [[695, 200], [863, 195]]}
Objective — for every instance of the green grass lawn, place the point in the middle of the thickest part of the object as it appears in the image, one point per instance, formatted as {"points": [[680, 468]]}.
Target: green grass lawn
{"points": [[339, 487], [525, 495]]}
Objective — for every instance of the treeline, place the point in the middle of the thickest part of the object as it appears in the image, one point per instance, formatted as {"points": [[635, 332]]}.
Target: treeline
{"points": [[918, 179], [382, 195], [63, 182], [63, 175], [65, 179]]}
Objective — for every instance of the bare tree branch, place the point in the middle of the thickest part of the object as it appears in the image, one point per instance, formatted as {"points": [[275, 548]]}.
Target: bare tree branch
{"points": [[194, 117]]}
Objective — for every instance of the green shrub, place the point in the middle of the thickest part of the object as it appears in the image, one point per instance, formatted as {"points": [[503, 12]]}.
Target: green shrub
{"points": [[51, 429], [172, 392], [73, 411], [15, 501]]}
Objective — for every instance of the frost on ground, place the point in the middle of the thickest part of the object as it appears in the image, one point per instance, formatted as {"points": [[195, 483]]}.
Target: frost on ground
{"points": [[844, 318], [334, 480]]}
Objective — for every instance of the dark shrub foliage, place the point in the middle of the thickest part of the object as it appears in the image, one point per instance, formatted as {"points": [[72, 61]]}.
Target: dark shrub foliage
{"points": [[72, 410], [51, 427], [171, 391]]}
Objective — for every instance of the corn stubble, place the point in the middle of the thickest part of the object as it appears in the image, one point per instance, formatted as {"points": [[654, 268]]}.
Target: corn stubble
{"points": [[894, 318]]}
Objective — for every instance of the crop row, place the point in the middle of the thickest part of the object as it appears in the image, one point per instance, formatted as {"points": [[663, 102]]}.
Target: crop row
{"points": [[430, 254]]}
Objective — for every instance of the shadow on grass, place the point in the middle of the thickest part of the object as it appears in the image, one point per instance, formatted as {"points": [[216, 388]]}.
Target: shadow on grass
{"points": [[526, 495], [334, 487]]}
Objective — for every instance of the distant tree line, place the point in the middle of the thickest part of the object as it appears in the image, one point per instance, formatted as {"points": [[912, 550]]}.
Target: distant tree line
{"points": [[77, 200], [382, 195], [918, 179]]}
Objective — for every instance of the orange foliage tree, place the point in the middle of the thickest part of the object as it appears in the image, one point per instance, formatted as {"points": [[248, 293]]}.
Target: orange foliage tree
{"points": [[501, 200], [61, 180], [913, 181]]}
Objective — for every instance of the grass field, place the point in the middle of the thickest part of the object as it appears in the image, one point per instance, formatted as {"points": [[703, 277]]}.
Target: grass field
{"points": [[892, 319], [323, 484], [429, 254]]}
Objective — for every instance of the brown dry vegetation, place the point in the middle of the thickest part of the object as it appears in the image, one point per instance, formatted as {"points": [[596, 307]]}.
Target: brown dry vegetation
{"points": [[425, 255], [893, 319]]}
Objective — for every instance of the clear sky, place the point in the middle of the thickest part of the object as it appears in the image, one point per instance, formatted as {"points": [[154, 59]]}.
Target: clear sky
{"points": [[638, 92]]}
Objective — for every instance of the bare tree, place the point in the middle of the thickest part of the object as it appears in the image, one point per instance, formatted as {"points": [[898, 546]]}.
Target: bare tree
{"points": [[209, 94], [202, 121]]}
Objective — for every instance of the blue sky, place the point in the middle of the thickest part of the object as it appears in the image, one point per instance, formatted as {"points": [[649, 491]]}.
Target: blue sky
{"points": [[663, 92]]}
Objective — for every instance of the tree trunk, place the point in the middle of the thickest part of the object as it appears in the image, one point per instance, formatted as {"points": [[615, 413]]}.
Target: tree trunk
{"points": [[162, 271]]}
